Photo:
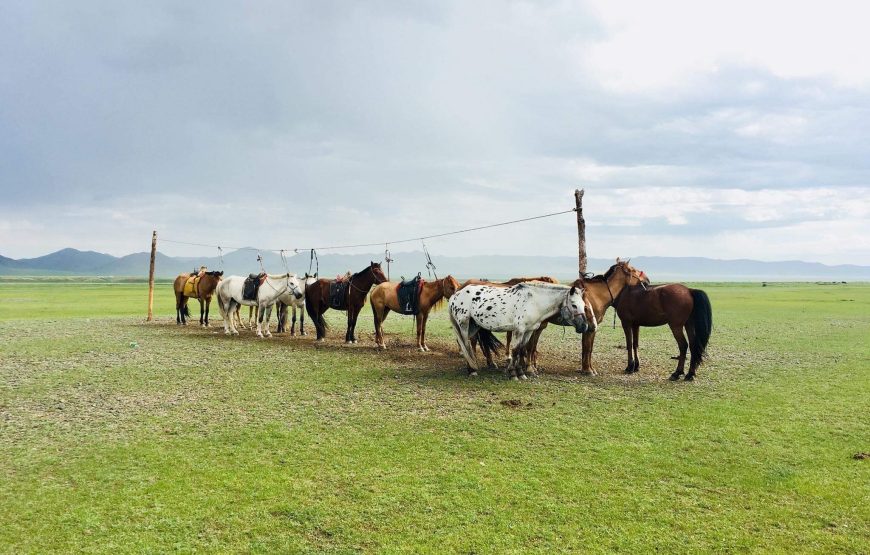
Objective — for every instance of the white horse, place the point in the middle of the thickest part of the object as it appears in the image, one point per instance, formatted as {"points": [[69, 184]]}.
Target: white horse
{"points": [[291, 301], [479, 310], [230, 296]]}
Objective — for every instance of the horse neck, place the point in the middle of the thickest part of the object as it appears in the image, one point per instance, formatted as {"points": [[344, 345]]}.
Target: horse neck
{"points": [[553, 295], [433, 291], [364, 279], [598, 296]]}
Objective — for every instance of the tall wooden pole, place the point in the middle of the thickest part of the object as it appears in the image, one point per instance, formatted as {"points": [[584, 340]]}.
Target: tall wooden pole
{"points": [[151, 277], [581, 232]]}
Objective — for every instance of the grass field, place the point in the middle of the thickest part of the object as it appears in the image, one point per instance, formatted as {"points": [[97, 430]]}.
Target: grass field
{"points": [[121, 436]]}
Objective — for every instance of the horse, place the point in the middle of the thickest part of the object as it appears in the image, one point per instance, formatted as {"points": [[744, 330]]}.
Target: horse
{"points": [[289, 301], [203, 287], [479, 310], [384, 297], [601, 290], [230, 296], [509, 283], [357, 286], [673, 304]]}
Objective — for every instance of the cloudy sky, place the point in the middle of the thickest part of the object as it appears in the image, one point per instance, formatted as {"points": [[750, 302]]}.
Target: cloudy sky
{"points": [[722, 129]]}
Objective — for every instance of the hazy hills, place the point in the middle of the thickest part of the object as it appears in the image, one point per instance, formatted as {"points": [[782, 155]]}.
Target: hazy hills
{"points": [[88, 263]]}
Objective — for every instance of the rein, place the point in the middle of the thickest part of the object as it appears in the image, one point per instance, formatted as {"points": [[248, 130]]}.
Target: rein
{"points": [[360, 289]]}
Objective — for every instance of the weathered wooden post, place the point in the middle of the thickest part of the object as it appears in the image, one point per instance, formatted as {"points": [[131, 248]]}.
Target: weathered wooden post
{"points": [[151, 277], [581, 232]]}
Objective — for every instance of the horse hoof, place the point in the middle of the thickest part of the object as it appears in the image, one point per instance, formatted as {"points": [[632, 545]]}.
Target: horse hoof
{"points": [[689, 377], [426, 348], [523, 377], [587, 372], [514, 379], [421, 349], [674, 377], [472, 374]]}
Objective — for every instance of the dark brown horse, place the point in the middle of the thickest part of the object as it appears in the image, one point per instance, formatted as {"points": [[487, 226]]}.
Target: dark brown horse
{"points": [[317, 299], [675, 305], [198, 286], [385, 298]]}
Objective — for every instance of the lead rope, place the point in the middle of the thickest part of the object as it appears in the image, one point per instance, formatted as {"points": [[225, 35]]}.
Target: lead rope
{"points": [[313, 262], [430, 267]]}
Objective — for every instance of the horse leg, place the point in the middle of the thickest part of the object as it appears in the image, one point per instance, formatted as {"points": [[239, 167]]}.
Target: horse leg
{"points": [[423, 333], [293, 324], [694, 362], [177, 310], [268, 317], [201, 312], [232, 307], [355, 311], [626, 330], [207, 307], [419, 321], [301, 320], [677, 330], [635, 336], [507, 347], [586, 358]]}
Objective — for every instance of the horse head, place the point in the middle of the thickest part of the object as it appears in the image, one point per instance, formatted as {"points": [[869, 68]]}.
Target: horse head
{"points": [[574, 309], [633, 275], [293, 286], [449, 285], [377, 272]]}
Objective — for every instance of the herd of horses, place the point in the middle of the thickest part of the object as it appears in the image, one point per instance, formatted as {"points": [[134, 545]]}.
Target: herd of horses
{"points": [[522, 307]]}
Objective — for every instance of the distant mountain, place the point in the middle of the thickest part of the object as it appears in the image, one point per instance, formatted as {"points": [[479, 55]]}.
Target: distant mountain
{"points": [[243, 261]]}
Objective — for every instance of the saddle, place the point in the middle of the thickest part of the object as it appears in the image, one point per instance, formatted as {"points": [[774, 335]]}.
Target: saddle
{"points": [[191, 286], [338, 294], [252, 285], [408, 293]]}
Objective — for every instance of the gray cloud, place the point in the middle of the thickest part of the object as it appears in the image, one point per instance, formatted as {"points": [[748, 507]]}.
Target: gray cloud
{"points": [[299, 123]]}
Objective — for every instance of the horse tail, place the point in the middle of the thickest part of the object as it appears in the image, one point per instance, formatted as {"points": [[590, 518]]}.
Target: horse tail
{"points": [[462, 339], [310, 308], [488, 341], [702, 320], [221, 306]]}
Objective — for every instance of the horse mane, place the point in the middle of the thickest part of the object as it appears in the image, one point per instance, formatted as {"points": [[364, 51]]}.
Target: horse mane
{"points": [[542, 285]]}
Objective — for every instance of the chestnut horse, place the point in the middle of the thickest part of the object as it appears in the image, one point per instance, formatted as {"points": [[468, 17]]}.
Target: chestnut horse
{"points": [[601, 290], [675, 305], [385, 297], [317, 299], [203, 291]]}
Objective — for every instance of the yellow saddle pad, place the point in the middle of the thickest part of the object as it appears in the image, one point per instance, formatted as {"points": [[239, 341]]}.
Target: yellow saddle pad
{"points": [[190, 286]]}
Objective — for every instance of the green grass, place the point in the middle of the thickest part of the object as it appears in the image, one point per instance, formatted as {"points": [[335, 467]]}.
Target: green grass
{"points": [[121, 436]]}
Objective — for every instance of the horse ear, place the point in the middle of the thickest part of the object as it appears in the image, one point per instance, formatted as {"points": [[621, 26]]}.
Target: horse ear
{"points": [[617, 260], [573, 290]]}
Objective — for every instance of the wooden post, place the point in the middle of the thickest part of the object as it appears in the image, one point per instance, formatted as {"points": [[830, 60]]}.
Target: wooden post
{"points": [[581, 232], [151, 277]]}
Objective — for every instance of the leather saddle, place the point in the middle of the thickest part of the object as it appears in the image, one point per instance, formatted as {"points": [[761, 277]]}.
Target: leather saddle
{"points": [[408, 293], [338, 294], [252, 285]]}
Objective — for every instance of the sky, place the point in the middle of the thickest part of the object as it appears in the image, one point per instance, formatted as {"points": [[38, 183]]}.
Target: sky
{"points": [[720, 129]]}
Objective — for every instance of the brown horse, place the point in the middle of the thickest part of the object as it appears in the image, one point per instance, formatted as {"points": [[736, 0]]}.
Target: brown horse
{"points": [[385, 297], [675, 305], [601, 290], [203, 287], [317, 299], [533, 352]]}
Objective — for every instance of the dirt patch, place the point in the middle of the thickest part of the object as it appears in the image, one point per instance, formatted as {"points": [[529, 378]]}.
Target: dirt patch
{"points": [[861, 456], [515, 404]]}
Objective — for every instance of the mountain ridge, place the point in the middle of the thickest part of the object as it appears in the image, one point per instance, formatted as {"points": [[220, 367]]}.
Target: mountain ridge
{"points": [[70, 261]]}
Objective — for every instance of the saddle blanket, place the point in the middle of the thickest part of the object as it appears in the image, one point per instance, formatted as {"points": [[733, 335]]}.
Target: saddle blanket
{"points": [[338, 294], [252, 285], [191, 286], [408, 293]]}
